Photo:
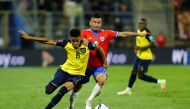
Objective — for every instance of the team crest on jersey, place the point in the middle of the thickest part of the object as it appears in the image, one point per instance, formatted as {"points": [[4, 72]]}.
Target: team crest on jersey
{"points": [[102, 38], [83, 50]]}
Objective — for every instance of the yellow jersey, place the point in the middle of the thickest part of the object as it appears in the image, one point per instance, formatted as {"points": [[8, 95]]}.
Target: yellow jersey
{"points": [[77, 59], [143, 41]]}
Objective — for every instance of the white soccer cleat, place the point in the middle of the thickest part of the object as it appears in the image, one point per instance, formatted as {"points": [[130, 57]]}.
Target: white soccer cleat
{"points": [[124, 92], [88, 104], [163, 85]]}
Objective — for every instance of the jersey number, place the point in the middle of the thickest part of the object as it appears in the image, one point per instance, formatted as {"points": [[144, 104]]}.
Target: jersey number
{"points": [[77, 54]]}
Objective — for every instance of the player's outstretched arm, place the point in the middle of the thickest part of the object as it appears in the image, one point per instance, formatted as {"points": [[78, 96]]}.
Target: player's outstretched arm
{"points": [[25, 36], [127, 34], [102, 55]]}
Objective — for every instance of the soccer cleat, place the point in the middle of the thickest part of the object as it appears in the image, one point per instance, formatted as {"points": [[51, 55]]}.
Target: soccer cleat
{"points": [[124, 92], [163, 85], [88, 104]]}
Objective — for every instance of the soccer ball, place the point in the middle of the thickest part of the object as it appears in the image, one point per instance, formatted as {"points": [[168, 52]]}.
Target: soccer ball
{"points": [[102, 106]]}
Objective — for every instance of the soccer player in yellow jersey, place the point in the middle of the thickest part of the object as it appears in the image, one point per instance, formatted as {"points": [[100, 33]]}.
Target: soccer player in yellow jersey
{"points": [[143, 59], [71, 72]]}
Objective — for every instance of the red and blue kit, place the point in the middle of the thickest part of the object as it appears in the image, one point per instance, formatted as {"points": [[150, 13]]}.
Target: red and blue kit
{"points": [[101, 38]]}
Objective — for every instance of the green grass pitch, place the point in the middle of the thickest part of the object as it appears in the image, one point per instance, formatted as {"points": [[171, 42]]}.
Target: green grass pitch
{"points": [[23, 88]]}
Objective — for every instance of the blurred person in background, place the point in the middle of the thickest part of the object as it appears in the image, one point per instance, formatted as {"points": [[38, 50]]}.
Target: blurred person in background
{"points": [[47, 58], [182, 17], [184, 25], [143, 59], [14, 23], [72, 10]]}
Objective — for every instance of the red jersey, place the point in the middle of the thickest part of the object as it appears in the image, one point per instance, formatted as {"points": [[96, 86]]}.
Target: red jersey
{"points": [[101, 37]]}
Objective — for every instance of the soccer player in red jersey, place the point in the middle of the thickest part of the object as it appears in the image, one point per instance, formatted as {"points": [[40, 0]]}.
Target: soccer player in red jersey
{"points": [[95, 67]]}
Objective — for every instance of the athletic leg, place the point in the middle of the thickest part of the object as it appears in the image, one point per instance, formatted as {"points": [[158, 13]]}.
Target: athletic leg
{"points": [[142, 75], [67, 86], [76, 90], [73, 96], [57, 80], [100, 77], [143, 68], [132, 79]]}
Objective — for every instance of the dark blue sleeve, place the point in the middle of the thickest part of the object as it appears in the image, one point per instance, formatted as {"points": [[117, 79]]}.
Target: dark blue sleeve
{"points": [[91, 46], [149, 36], [62, 43], [148, 31]]}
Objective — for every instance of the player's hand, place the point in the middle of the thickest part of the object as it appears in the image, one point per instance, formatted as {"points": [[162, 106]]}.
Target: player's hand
{"points": [[105, 65], [85, 42], [23, 34]]}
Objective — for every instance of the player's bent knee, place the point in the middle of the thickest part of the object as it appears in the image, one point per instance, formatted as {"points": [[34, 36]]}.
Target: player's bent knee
{"points": [[101, 78], [50, 88], [144, 71], [140, 75], [77, 87], [135, 72], [101, 81]]}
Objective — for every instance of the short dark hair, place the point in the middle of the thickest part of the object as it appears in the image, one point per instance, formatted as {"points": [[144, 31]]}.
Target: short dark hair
{"points": [[74, 33], [143, 19], [96, 15]]}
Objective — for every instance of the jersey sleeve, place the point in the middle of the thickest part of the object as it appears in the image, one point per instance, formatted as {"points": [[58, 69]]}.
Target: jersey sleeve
{"points": [[112, 34], [62, 43], [149, 36], [91, 46], [83, 34]]}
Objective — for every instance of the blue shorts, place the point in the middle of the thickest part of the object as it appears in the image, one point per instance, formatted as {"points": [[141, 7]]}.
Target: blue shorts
{"points": [[60, 77], [141, 65], [92, 71]]}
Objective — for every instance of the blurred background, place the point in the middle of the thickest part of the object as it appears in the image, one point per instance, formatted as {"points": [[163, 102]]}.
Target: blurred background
{"points": [[168, 20]]}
